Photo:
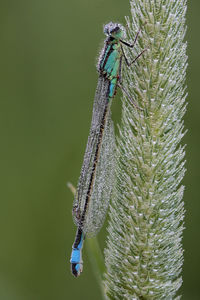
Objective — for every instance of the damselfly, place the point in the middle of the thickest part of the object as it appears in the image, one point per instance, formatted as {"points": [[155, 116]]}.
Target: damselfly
{"points": [[96, 178]]}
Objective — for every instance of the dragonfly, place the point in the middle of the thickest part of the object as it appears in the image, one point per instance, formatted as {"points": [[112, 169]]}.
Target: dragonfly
{"points": [[97, 173]]}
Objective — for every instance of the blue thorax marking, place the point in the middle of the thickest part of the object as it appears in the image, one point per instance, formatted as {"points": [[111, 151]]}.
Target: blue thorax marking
{"points": [[111, 61], [112, 89], [109, 66]]}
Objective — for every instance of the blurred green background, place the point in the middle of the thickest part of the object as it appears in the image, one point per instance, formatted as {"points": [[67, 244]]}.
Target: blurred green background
{"points": [[48, 53]]}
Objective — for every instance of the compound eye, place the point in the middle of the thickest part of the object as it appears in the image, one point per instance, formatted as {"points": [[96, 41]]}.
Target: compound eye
{"points": [[107, 29]]}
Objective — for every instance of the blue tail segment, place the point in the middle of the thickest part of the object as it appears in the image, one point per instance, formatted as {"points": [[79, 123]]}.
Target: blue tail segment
{"points": [[76, 256]]}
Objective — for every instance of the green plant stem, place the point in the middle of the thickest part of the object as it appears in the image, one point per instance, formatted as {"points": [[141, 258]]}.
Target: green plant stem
{"points": [[144, 253]]}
